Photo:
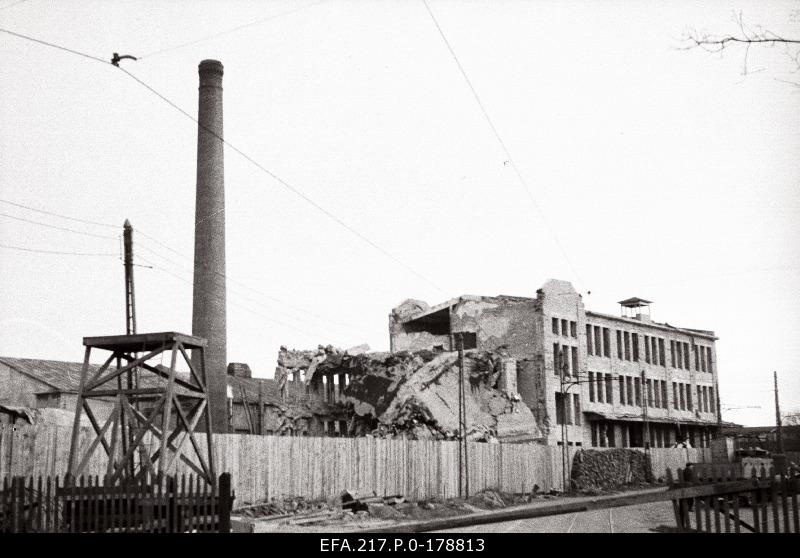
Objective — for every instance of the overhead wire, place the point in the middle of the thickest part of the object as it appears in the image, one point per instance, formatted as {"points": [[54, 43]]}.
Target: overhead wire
{"points": [[86, 221], [6, 215], [505, 149], [164, 50], [58, 252]]}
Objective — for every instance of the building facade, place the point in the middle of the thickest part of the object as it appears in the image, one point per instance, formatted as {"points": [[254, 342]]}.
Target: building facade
{"points": [[590, 379]]}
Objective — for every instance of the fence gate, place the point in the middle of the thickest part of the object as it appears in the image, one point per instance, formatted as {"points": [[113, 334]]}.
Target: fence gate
{"points": [[718, 499], [88, 505]]}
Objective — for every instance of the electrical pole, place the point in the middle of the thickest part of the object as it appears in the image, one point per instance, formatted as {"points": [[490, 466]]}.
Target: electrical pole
{"points": [[560, 367], [778, 414], [463, 458], [130, 300]]}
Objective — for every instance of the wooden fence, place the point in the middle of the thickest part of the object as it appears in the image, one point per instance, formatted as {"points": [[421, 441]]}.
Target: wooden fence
{"points": [[95, 505], [264, 467]]}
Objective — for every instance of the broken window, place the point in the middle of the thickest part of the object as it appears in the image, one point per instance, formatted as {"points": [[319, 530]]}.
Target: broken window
{"points": [[555, 326], [609, 389], [648, 386], [627, 345], [573, 329], [619, 344], [606, 342], [678, 353], [591, 387], [675, 395], [700, 406], [635, 343], [594, 435], [696, 357], [656, 394], [629, 383], [597, 340], [469, 340], [589, 344], [688, 397], [653, 342], [686, 356], [565, 360], [600, 389], [575, 361], [682, 390], [702, 351], [556, 360], [711, 401], [577, 400], [560, 412], [661, 353]]}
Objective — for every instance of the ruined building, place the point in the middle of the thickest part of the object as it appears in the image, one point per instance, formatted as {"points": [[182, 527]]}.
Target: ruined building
{"points": [[628, 380]]}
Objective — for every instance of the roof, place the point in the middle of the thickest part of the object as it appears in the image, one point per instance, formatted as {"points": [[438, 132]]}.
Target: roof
{"points": [[658, 325], [464, 298], [56, 374], [634, 302]]}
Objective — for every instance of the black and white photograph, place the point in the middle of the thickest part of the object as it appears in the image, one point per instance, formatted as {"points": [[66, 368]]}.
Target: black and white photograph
{"points": [[399, 275]]}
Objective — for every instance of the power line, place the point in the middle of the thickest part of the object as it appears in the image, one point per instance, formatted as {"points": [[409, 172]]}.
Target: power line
{"points": [[21, 36], [226, 32], [88, 222], [502, 144], [57, 227], [57, 252], [246, 157]]}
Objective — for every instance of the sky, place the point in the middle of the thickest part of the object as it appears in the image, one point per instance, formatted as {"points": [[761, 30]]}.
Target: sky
{"points": [[644, 169]]}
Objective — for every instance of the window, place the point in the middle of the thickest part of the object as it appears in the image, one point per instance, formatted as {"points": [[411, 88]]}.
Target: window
{"points": [[655, 350], [577, 400], [609, 389], [675, 395], [629, 383], [575, 361], [573, 329], [591, 387], [600, 389], [688, 397], [682, 390], [702, 351], [606, 342], [555, 326], [622, 390], [649, 387], [594, 434], [627, 345], [619, 344], [696, 357], [638, 389], [656, 394], [556, 359], [708, 354], [560, 416], [664, 394], [597, 341], [686, 356], [662, 352], [672, 351], [343, 427], [635, 343], [711, 401], [647, 349], [589, 339], [565, 361], [705, 399], [564, 326], [678, 353]]}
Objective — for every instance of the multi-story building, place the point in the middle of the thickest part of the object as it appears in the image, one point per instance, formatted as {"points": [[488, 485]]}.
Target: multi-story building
{"points": [[611, 381]]}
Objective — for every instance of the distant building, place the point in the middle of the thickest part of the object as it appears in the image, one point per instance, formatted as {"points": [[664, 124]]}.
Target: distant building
{"points": [[764, 437], [629, 379]]}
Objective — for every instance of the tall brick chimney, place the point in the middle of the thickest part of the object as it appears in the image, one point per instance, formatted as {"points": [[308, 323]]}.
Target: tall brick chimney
{"points": [[209, 308]]}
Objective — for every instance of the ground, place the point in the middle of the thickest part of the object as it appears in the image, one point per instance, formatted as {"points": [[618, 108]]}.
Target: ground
{"points": [[642, 518]]}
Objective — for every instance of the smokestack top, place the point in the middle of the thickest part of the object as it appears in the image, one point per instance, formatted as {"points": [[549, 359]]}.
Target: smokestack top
{"points": [[210, 66]]}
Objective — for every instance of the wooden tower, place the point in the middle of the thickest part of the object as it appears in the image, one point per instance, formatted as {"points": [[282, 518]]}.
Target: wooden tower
{"points": [[146, 399]]}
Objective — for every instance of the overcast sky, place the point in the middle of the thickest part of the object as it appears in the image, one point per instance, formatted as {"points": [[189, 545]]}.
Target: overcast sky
{"points": [[663, 173]]}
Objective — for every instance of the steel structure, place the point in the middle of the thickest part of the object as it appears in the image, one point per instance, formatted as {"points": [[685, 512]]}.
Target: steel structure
{"points": [[173, 406]]}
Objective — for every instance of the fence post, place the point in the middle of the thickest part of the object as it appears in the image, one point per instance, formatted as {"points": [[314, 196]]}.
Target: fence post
{"points": [[224, 503]]}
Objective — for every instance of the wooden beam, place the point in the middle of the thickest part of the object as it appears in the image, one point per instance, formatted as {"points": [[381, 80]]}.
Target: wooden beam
{"points": [[76, 425], [187, 360], [95, 424], [132, 363], [93, 445], [168, 409], [189, 431], [103, 367], [139, 435]]}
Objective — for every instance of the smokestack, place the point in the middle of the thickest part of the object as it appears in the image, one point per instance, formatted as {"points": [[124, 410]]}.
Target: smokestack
{"points": [[208, 312]]}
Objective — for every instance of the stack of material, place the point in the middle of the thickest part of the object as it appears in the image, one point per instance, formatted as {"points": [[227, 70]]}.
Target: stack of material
{"points": [[609, 469]]}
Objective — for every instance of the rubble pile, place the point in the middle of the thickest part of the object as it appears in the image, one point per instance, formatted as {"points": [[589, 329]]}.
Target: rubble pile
{"points": [[609, 469]]}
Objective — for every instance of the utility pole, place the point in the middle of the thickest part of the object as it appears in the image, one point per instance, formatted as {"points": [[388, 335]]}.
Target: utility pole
{"points": [[560, 364], [778, 414], [462, 419]]}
